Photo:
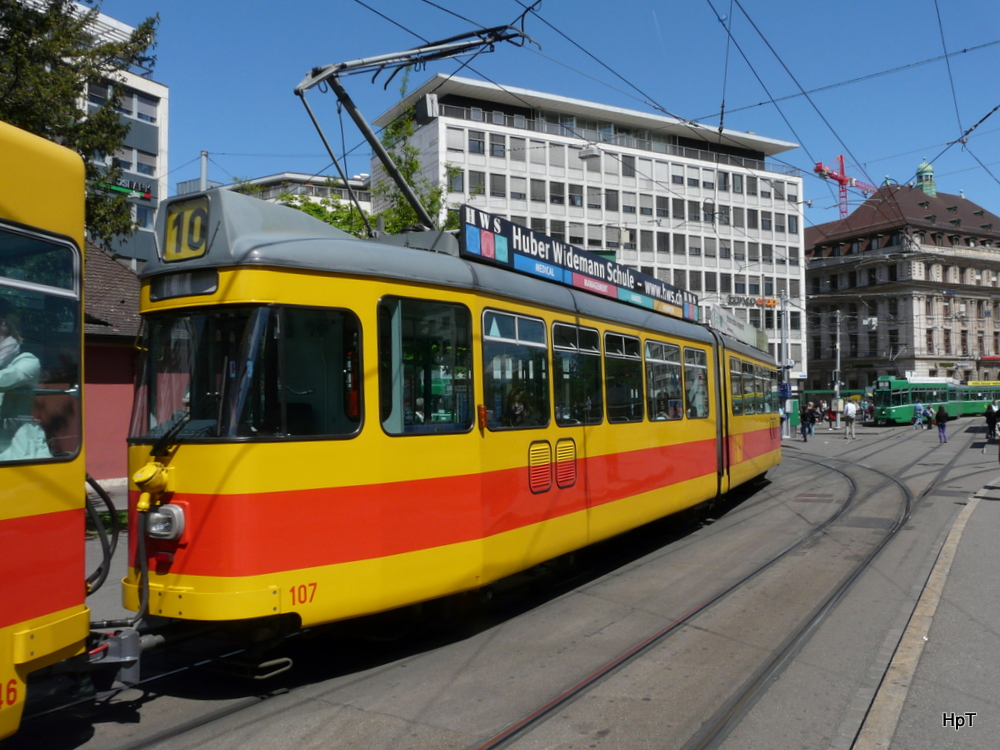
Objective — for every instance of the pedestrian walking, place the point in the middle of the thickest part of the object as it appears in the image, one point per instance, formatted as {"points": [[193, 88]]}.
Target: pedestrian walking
{"points": [[808, 421], [850, 413], [918, 416], [991, 420], [941, 417]]}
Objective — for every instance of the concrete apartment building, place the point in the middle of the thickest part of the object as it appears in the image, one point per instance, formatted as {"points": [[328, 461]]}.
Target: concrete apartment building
{"points": [[705, 211], [112, 287], [313, 187], [143, 159], [911, 279]]}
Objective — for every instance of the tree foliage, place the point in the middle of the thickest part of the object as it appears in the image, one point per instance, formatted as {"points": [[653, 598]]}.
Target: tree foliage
{"points": [[396, 138], [399, 215], [338, 213], [49, 53]]}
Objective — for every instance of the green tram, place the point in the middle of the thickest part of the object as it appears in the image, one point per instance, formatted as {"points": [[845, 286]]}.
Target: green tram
{"points": [[895, 397], [829, 395]]}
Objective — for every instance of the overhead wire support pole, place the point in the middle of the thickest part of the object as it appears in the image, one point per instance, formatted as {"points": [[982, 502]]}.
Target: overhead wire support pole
{"points": [[463, 44], [784, 360], [378, 148], [336, 163], [836, 374]]}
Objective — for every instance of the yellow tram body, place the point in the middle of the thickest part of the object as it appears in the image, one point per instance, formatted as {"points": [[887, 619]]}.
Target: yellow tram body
{"points": [[43, 618], [385, 515]]}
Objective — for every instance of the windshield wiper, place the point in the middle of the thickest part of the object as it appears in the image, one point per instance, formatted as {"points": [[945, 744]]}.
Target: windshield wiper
{"points": [[167, 440]]}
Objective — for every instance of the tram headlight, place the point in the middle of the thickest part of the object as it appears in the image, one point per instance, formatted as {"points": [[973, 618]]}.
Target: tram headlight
{"points": [[166, 522]]}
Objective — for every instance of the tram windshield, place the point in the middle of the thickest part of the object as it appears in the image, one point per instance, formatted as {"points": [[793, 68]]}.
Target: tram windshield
{"points": [[248, 372]]}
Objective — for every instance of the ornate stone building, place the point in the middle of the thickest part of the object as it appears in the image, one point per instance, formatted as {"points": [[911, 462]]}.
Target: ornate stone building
{"points": [[911, 282]]}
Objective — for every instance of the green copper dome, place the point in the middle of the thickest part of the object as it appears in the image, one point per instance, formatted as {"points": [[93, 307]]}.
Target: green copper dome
{"points": [[925, 178]]}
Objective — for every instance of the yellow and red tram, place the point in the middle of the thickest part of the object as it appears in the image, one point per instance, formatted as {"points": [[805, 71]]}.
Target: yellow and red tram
{"points": [[43, 618], [326, 427]]}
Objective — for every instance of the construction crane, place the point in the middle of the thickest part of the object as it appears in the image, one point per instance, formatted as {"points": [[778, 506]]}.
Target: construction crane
{"points": [[841, 178]]}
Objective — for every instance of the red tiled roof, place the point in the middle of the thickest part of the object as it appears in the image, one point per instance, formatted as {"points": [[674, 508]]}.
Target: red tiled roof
{"points": [[894, 207], [111, 293]]}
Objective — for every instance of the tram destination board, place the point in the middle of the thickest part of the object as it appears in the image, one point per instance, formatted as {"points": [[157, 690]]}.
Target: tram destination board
{"points": [[485, 237]]}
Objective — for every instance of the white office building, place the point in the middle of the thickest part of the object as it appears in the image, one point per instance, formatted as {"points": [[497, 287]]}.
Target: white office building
{"points": [[313, 187], [703, 210], [143, 158]]}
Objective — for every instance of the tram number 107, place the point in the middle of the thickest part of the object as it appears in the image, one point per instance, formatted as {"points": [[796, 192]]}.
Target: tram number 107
{"points": [[304, 593], [186, 230]]}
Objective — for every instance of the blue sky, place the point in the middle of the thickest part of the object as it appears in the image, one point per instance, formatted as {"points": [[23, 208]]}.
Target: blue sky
{"points": [[232, 67]]}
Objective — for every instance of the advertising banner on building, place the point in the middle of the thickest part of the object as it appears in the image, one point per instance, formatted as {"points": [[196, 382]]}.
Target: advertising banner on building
{"points": [[722, 320], [485, 237]]}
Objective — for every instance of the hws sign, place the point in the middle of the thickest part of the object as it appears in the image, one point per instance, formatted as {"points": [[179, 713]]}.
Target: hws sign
{"points": [[493, 239]]}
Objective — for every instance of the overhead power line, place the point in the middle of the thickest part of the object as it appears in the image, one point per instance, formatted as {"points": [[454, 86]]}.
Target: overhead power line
{"points": [[852, 81]]}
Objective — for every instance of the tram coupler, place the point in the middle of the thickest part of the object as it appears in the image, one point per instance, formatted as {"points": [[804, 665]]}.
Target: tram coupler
{"points": [[118, 652]]}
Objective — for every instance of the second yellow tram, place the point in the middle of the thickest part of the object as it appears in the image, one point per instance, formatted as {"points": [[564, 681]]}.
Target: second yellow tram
{"points": [[43, 618]]}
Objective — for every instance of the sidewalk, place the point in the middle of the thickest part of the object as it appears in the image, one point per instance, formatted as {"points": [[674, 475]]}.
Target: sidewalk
{"points": [[942, 686], [117, 490], [106, 604]]}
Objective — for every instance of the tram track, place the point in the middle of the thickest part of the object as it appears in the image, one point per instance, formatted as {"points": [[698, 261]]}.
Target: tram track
{"points": [[717, 726], [189, 671], [714, 730], [196, 664], [738, 705]]}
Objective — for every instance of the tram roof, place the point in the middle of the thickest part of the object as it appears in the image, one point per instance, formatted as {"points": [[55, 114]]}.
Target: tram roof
{"points": [[246, 231]]}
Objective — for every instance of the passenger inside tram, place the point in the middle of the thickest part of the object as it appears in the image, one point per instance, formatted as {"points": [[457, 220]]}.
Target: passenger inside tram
{"points": [[21, 437]]}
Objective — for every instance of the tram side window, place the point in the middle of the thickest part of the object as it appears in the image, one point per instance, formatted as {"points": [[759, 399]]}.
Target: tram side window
{"points": [[321, 374], [515, 371], [39, 350], [696, 382], [663, 381], [762, 390], [749, 395], [425, 366], [623, 377], [736, 384], [576, 375]]}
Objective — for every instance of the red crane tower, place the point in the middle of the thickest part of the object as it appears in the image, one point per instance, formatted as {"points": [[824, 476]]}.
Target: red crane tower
{"points": [[841, 178]]}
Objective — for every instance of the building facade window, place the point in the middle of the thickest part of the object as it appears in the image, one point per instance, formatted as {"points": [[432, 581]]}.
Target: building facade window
{"points": [[477, 182], [519, 188], [518, 149], [498, 145], [611, 200]]}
